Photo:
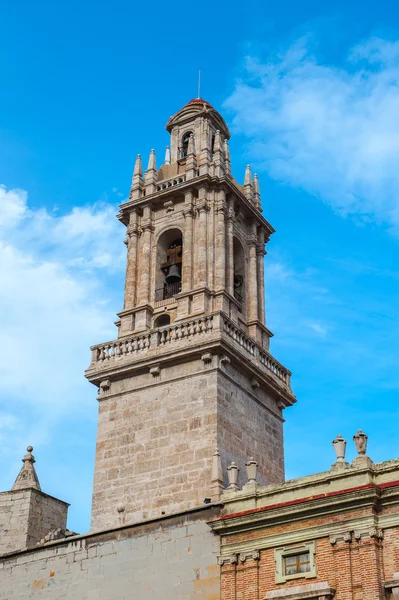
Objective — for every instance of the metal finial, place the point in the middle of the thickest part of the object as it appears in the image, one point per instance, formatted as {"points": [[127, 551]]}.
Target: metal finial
{"points": [[199, 83]]}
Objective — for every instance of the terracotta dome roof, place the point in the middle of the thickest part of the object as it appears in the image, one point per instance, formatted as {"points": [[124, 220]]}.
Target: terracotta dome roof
{"points": [[198, 101]]}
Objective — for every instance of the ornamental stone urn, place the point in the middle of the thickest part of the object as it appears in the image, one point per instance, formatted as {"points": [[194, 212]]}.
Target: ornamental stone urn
{"points": [[339, 445], [360, 440], [252, 467], [232, 474]]}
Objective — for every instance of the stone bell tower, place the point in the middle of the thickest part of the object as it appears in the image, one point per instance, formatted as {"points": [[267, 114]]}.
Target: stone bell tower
{"points": [[189, 385]]}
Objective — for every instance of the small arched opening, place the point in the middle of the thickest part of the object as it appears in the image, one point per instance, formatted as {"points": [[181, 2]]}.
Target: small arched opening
{"points": [[184, 143], [162, 320], [239, 272], [169, 265]]}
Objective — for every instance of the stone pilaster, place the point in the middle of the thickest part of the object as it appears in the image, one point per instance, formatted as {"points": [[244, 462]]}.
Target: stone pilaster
{"points": [[201, 271], [220, 248], [131, 263], [260, 253], [230, 249], [252, 287]]}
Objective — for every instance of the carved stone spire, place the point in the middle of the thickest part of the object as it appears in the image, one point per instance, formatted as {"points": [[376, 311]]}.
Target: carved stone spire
{"points": [[138, 167], [27, 477], [150, 176], [137, 181], [257, 192], [226, 150], [248, 186], [167, 156], [152, 162]]}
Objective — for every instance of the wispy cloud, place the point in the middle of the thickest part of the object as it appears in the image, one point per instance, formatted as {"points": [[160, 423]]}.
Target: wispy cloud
{"points": [[54, 301], [332, 131]]}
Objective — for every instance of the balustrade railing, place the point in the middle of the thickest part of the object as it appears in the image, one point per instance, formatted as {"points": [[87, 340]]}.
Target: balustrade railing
{"points": [[239, 336], [167, 183], [274, 366], [113, 350], [199, 327], [187, 329]]}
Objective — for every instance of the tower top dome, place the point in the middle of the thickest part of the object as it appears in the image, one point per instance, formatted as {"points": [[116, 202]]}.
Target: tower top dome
{"points": [[198, 107]]}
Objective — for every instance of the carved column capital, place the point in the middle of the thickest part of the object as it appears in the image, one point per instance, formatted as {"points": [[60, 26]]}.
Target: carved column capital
{"points": [[147, 225], [232, 559]]}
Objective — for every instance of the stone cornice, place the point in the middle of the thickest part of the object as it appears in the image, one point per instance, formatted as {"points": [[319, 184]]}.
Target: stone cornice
{"points": [[297, 510], [349, 531], [197, 182]]}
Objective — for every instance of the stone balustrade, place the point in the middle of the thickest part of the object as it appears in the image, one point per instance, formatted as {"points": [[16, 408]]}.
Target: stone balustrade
{"points": [[167, 183], [187, 329], [201, 329], [120, 348], [274, 366]]}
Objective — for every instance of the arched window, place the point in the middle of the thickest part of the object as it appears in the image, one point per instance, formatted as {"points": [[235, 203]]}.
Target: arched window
{"points": [[239, 272], [185, 140], [162, 320], [168, 276]]}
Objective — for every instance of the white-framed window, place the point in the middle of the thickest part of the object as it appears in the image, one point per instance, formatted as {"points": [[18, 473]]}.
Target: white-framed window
{"points": [[294, 562]]}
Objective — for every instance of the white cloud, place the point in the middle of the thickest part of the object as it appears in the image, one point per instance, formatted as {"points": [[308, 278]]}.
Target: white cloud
{"points": [[54, 302], [331, 131]]}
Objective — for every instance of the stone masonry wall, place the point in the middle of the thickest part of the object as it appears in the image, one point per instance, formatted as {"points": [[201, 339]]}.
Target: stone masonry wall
{"points": [[173, 559], [46, 513], [28, 515], [249, 424], [14, 516], [155, 445]]}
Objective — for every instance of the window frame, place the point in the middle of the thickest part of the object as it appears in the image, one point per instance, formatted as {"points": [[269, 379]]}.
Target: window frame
{"points": [[286, 551]]}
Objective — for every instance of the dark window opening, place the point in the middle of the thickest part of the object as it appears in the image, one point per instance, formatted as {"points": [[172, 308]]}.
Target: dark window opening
{"points": [[185, 141], [238, 286], [162, 320]]}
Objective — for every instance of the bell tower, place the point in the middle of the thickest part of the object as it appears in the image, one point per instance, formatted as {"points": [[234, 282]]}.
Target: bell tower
{"points": [[189, 384]]}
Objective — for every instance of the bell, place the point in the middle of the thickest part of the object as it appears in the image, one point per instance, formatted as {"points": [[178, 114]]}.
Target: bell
{"points": [[173, 275]]}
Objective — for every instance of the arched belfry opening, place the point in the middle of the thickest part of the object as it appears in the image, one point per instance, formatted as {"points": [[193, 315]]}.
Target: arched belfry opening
{"points": [[169, 265], [184, 143], [239, 272]]}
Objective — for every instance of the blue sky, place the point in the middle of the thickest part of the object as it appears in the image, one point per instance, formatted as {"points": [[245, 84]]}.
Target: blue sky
{"points": [[311, 94]]}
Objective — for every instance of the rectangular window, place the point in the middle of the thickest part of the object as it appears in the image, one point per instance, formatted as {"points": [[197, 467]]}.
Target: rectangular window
{"points": [[297, 563]]}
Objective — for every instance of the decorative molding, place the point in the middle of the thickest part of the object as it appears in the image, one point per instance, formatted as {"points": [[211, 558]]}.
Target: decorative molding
{"points": [[255, 555], [232, 559], [206, 358], [169, 206], [318, 591], [155, 371], [104, 387]]}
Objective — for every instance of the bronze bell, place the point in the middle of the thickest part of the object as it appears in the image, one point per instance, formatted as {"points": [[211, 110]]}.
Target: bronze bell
{"points": [[173, 275]]}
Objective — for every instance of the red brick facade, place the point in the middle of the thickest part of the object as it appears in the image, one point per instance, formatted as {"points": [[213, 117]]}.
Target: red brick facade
{"points": [[354, 531]]}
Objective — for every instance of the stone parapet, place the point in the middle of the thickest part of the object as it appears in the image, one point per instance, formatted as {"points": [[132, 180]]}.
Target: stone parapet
{"points": [[191, 335]]}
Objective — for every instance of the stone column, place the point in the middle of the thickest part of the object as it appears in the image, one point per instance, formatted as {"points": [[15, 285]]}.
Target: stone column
{"points": [[230, 249], [220, 242], [211, 253], [145, 257], [187, 282], [131, 262], [252, 284], [260, 253], [201, 270]]}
